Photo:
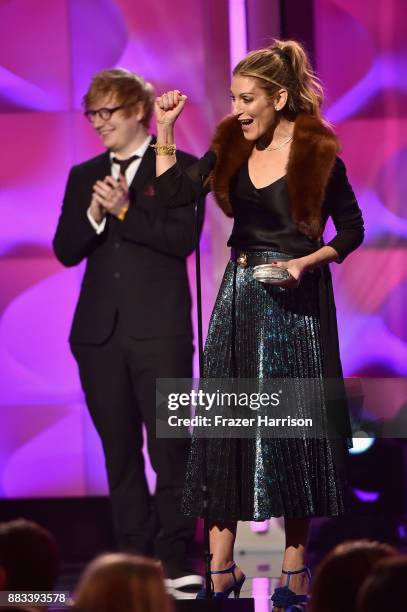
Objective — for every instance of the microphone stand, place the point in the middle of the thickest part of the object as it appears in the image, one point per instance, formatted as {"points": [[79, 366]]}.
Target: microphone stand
{"points": [[204, 480]]}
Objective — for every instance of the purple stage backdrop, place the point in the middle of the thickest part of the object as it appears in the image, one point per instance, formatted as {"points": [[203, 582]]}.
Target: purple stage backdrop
{"points": [[49, 51]]}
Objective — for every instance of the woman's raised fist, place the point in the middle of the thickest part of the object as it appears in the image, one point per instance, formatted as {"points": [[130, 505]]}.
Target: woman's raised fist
{"points": [[168, 106]]}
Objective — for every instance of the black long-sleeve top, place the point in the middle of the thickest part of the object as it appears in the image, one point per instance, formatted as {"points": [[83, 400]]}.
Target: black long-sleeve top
{"points": [[262, 218]]}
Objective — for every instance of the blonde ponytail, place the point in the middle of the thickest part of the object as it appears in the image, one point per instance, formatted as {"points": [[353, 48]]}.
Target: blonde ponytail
{"points": [[285, 65]]}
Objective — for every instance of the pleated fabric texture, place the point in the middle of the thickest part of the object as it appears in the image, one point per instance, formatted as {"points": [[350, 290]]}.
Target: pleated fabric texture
{"points": [[263, 331]]}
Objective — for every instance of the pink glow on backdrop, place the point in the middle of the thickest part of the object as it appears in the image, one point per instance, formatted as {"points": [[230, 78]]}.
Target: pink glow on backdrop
{"points": [[48, 444], [237, 31], [362, 58]]}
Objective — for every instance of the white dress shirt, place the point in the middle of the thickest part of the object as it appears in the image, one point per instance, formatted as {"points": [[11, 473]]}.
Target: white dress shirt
{"points": [[130, 174]]}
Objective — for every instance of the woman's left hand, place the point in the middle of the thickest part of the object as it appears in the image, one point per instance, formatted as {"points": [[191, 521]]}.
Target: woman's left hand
{"points": [[295, 268]]}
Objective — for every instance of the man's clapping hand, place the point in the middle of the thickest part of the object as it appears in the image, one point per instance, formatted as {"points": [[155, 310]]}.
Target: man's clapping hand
{"points": [[110, 196]]}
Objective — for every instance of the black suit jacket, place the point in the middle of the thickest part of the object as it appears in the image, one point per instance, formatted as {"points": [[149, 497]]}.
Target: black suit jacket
{"points": [[136, 268]]}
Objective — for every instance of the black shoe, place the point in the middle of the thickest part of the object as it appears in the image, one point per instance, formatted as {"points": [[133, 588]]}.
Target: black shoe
{"points": [[284, 598], [234, 588]]}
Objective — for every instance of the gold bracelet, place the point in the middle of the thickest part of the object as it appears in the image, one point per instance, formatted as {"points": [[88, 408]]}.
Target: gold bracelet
{"points": [[164, 149], [122, 213]]}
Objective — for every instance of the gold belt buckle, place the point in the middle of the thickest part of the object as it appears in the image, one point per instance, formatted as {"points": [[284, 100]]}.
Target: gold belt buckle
{"points": [[242, 260]]}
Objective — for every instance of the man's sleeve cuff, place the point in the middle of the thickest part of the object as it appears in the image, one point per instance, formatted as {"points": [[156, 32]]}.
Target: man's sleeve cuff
{"points": [[98, 227]]}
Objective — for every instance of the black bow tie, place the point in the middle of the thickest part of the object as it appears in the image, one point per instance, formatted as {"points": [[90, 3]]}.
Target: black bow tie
{"points": [[124, 163]]}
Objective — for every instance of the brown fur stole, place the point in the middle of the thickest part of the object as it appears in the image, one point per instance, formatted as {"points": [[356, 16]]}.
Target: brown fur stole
{"points": [[310, 164]]}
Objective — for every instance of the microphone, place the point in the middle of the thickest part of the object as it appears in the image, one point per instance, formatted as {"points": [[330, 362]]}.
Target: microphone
{"points": [[206, 164]]}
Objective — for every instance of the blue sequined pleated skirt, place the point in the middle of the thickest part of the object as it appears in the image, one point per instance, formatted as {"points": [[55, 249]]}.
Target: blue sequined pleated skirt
{"points": [[262, 331]]}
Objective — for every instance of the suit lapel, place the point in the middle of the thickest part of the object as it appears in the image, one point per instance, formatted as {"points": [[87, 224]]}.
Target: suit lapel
{"points": [[146, 171], [104, 166]]}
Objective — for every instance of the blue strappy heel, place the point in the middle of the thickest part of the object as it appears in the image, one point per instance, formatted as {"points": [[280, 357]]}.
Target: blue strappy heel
{"points": [[236, 587], [283, 597]]}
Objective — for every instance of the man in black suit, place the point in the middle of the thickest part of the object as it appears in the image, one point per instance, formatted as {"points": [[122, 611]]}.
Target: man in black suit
{"points": [[132, 323]]}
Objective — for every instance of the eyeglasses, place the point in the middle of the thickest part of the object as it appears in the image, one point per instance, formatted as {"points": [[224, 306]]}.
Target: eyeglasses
{"points": [[104, 113]]}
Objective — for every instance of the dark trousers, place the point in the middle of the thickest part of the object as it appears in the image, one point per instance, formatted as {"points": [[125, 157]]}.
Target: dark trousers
{"points": [[118, 379]]}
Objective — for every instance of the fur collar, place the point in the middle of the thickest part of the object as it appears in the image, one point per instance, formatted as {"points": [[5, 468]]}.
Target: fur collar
{"points": [[310, 164]]}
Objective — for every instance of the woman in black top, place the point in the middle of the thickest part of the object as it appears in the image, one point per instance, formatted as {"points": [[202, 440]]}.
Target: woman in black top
{"points": [[278, 175]]}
